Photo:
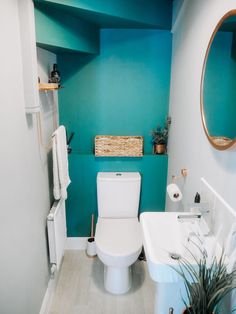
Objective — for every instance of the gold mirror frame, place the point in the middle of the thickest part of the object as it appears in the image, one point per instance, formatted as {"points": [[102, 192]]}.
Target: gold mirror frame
{"points": [[218, 142]]}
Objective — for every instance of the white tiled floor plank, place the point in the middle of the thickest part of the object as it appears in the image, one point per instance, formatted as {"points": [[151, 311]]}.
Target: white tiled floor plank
{"points": [[80, 289]]}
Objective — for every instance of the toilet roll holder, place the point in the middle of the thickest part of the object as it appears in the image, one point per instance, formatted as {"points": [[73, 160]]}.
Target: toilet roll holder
{"points": [[183, 174]]}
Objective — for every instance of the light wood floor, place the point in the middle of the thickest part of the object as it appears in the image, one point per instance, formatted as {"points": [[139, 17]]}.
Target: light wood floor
{"points": [[80, 289]]}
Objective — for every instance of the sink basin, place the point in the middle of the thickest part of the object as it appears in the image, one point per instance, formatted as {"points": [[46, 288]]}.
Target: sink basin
{"points": [[166, 239]]}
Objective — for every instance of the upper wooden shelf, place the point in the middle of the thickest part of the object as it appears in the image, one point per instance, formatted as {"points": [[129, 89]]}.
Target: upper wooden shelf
{"points": [[49, 86]]}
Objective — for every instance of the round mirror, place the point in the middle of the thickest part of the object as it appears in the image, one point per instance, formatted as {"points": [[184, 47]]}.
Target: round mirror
{"points": [[218, 86]]}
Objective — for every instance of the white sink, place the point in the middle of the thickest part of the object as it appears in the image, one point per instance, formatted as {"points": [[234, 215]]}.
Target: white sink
{"points": [[164, 235]]}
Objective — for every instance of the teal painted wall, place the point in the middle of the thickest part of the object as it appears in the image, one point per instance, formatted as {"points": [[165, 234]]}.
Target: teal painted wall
{"points": [[58, 32], [82, 197], [157, 13], [123, 91], [220, 87]]}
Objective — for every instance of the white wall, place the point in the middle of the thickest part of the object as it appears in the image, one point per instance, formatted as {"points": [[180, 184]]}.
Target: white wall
{"points": [[188, 145], [24, 186], [48, 100]]}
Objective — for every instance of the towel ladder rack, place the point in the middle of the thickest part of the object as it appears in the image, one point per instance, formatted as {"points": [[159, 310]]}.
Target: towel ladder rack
{"points": [[47, 146]]}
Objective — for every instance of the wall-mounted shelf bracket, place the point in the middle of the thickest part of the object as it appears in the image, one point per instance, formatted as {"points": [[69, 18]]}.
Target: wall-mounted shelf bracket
{"points": [[49, 86]]}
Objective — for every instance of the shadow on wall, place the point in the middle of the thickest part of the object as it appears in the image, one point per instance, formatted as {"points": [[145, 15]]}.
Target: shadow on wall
{"points": [[72, 68]]}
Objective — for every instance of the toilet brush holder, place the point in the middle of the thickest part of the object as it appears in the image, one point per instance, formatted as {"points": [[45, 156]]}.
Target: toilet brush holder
{"points": [[91, 247]]}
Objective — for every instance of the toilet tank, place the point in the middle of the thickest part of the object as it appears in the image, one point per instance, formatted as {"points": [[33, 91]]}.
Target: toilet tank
{"points": [[118, 194]]}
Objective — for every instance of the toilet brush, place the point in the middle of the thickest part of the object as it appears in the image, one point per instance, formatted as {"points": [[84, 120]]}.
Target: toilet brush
{"points": [[91, 246], [92, 227]]}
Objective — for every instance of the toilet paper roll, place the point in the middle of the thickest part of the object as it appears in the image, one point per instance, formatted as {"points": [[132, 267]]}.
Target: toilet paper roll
{"points": [[174, 192]]}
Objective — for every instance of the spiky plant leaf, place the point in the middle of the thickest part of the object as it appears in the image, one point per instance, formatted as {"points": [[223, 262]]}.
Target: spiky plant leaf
{"points": [[206, 285]]}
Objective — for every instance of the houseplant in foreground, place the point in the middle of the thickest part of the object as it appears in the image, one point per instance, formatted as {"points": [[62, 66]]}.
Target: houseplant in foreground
{"points": [[207, 284], [160, 137]]}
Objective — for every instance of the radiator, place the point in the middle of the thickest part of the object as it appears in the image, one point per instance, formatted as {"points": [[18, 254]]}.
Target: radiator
{"points": [[56, 224]]}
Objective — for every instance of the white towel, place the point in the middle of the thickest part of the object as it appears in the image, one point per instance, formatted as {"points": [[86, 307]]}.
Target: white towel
{"points": [[61, 178]]}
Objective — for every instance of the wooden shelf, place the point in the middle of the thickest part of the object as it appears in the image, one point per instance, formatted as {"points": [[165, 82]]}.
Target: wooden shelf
{"points": [[48, 86], [91, 154]]}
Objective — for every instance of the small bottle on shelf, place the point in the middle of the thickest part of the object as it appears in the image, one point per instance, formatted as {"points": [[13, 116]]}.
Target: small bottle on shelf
{"points": [[55, 75]]}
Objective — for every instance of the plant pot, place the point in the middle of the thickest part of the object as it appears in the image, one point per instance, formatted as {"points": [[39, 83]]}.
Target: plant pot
{"points": [[159, 148]]}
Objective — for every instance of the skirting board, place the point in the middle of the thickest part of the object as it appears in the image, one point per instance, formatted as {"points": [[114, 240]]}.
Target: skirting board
{"points": [[49, 294], [78, 243]]}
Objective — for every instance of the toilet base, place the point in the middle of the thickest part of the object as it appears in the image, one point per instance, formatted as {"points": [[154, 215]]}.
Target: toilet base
{"points": [[117, 280]]}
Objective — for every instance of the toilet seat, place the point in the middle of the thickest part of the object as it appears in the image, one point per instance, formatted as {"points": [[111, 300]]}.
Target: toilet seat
{"points": [[118, 241]]}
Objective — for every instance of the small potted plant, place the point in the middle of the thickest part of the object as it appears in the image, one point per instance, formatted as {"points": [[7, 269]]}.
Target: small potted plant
{"points": [[206, 284], [160, 137]]}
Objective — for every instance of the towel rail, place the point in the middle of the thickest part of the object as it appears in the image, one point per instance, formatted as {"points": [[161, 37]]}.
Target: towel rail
{"points": [[47, 146]]}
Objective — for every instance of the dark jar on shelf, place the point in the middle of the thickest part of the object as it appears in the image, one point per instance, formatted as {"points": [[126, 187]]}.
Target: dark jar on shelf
{"points": [[55, 75]]}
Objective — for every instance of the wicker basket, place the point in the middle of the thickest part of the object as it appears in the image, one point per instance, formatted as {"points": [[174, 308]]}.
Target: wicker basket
{"points": [[118, 146]]}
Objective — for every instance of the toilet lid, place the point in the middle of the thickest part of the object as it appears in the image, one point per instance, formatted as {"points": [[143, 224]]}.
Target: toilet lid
{"points": [[118, 237]]}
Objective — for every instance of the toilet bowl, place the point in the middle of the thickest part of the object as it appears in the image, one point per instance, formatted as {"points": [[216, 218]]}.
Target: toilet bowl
{"points": [[118, 243], [118, 234]]}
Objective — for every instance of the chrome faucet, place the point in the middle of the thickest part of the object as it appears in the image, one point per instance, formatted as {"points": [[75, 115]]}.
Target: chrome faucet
{"points": [[189, 216], [201, 208]]}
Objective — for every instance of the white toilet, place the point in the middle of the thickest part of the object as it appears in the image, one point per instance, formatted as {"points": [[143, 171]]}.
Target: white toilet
{"points": [[118, 234]]}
